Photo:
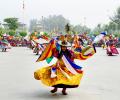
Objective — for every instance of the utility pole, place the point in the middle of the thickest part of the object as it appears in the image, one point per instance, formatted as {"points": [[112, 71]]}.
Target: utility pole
{"points": [[84, 23], [23, 11], [42, 23]]}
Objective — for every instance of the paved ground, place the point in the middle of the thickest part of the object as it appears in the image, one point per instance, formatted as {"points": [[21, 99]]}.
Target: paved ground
{"points": [[101, 79]]}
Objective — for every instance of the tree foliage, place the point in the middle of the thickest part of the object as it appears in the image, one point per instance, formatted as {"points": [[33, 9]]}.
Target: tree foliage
{"points": [[116, 17], [11, 33], [67, 28], [50, 23], [1, 31], [12, 23], [81, 29], [23, 34], [33, 25], [54, 23]]}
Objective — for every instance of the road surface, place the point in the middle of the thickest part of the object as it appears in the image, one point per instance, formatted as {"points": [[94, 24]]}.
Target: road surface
{"points": [[101, 80]]}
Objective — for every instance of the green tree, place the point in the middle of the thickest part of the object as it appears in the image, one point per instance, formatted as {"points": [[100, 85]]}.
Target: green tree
{"points": [[67, 28], [33, 25], [55, 23], [12, 23], [23, 34], [116, 17], [81, 29], [1, 31], [105, 27], [11, 33], [97, 29]]}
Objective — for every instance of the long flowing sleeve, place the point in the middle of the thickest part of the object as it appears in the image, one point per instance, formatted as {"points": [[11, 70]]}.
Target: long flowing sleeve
{"points": [[86, 53]]}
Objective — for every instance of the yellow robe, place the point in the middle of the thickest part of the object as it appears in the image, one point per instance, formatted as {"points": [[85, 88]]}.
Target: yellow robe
{"points": [[44, 74]]}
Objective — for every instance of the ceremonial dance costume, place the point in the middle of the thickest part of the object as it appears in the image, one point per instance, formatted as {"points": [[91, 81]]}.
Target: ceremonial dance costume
{"points": [[4, 45], [111, 48], [64, 73]]}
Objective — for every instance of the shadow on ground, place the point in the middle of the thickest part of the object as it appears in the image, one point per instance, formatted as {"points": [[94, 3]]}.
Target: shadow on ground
{"points": [[41, 95]]}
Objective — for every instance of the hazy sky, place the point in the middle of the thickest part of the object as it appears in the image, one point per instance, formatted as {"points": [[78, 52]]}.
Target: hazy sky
{"points": [[89, 12]]}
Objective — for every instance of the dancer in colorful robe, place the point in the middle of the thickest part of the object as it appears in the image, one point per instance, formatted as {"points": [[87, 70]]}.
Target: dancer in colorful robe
{"points": [[77, 44], [111, 48], [4, 44], [64, 73]]}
